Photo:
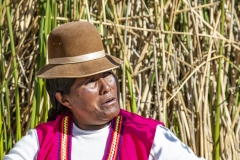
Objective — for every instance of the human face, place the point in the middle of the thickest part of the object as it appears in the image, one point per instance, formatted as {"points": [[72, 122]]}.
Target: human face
{"points": [[93, 100]]}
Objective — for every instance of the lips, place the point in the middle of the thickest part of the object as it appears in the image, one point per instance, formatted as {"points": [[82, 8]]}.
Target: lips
{"points": [[109, 101]]}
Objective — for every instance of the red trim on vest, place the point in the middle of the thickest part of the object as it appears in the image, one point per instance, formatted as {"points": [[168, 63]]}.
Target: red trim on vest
{"points": [[114, 139], [65, 138]]}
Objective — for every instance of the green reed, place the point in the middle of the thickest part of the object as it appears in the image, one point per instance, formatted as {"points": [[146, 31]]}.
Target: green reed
{"points": [[15, 72], [1, 94], [219, 89]]}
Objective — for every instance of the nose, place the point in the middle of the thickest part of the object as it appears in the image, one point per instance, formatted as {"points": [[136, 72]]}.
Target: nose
{"points": [[104, 86]]}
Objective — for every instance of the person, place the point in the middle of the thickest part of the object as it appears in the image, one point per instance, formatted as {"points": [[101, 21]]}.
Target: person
{"points": [[86, 120]]}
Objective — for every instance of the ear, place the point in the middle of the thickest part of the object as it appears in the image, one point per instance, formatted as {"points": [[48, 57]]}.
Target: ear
{"points": [[63, 100]]}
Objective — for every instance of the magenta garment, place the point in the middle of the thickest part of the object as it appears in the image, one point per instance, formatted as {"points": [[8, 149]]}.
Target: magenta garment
{"points": [[135, 142], [49, 139], [138, 136]]}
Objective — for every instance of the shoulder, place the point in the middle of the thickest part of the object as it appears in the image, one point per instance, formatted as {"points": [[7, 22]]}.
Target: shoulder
{"points": [[52, 125], [165, 142], [139, 120], [25, 148], [139, 126], [44, 128]]}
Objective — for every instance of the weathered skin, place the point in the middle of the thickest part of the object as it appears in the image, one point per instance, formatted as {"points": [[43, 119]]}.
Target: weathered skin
{"points": [[92, 100]]}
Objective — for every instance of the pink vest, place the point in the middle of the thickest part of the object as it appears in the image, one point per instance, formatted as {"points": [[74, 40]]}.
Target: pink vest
{"points": [[130, 137]]}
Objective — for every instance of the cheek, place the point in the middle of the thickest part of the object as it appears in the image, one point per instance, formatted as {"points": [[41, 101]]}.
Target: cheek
{"points": [[87, 96], [115, 86], [112, 82]]}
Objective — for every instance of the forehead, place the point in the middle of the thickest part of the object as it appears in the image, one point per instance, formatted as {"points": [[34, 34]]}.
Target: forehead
{"points": [[84, 79], [89, 77]]}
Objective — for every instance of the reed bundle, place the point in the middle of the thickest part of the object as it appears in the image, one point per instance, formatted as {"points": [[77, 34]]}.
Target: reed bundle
{"points": [[181, 64]]}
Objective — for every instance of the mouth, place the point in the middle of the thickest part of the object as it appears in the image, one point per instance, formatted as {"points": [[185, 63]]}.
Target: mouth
{"points": [[109, 101]]}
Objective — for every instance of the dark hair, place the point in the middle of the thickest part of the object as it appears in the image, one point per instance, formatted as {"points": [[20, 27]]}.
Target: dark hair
{"points": [[53, 86]]}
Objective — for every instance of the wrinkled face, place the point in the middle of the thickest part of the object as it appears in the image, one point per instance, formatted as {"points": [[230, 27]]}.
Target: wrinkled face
{"points": [[93, 100]]}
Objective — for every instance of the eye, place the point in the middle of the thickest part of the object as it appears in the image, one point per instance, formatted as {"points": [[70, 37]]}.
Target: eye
{"points": [[89, 81], [105, 74]]}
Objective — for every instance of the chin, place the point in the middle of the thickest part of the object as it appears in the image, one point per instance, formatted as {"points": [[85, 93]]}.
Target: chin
{"points": [[112, 113]]}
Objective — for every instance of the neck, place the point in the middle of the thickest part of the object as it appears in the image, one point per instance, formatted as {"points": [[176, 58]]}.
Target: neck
{"points": [[90, 127]]}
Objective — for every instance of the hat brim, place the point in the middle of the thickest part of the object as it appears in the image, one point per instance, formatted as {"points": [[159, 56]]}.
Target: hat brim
{"points": [[78, 70]]}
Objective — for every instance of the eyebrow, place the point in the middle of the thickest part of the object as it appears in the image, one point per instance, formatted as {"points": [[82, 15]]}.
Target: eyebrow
{"points": [[80, 82]]}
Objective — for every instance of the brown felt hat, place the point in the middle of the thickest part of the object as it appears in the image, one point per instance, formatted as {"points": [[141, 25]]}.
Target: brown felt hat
{"points": [[75, 50]]}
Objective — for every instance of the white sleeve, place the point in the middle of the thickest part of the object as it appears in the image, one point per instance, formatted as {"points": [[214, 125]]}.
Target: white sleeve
{"points": [[166, 146], [25, 149]]}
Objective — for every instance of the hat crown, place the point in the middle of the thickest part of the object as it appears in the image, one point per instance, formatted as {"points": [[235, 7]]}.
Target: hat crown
{"points": [[74, 39], [75, 50]]}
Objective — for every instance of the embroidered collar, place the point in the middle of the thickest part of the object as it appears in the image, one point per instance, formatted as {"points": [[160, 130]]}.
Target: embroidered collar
{"points": [[112, 150]]}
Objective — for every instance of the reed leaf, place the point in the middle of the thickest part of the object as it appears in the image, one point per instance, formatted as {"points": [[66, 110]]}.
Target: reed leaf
{"points": [[15, 72], [219, 85]]}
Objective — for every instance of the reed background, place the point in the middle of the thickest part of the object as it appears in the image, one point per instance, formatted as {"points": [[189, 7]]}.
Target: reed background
{"points": [[181, 64]]}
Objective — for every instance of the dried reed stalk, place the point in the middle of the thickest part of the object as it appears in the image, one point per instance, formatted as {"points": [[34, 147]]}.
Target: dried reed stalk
{"points": [[172, 52]]}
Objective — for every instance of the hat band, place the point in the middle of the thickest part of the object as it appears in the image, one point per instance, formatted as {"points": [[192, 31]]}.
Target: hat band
{"points": [[77, 59]]}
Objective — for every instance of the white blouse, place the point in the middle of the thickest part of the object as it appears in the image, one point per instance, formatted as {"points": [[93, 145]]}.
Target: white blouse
{"points": [[89, 144]]}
